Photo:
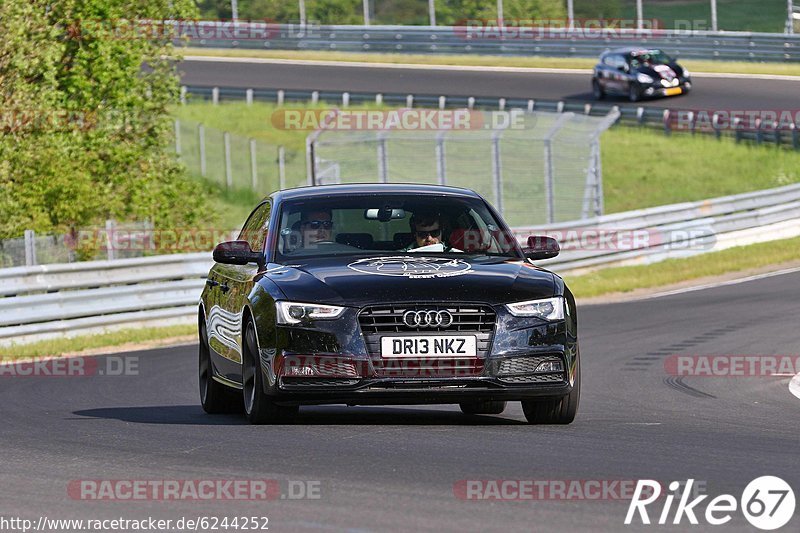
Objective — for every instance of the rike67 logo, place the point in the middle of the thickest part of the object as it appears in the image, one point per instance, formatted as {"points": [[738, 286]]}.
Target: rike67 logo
{"points": [[767, 502]]}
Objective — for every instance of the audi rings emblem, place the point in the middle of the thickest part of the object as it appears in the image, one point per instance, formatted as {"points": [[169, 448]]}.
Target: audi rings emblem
{"points": [[427, 319]]}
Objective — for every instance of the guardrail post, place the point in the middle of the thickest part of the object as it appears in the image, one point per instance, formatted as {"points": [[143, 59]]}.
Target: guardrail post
{"points": [[442, 102], [248, 95], [379, 99], [314, 97], [183, 94], [253, 165], [531, 105], [667, 122], [280, 96], [410, 101], [215, 95], [640, 115], [471, 102], [178, 138], [30, 247], [226, 138], [778, 136], [715, 125], [736, 130], [795, 137], [345, 99], [110, 225], [201, 142], [759, 131], [281, 167], [501, 104]]}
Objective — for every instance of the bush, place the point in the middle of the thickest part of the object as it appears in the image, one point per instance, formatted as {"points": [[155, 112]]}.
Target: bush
{"points": [[86, 130]]}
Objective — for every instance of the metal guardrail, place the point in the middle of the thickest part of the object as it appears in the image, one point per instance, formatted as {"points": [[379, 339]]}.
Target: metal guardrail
{"points": [[77, 298], [554, 42], [666, 120]]}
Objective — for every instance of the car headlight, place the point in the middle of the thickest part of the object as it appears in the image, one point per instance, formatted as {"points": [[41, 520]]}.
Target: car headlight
{"points": [[295, 313], [547, 309], [686, 73], [644, 78]]}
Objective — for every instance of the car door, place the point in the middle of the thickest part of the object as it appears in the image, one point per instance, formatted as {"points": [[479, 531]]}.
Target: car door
{"points": [[235, 284]]}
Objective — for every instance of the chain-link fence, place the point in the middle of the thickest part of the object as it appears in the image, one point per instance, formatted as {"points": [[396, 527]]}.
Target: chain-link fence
{"points": [[113, 241], [237, 162], [545, 169]]}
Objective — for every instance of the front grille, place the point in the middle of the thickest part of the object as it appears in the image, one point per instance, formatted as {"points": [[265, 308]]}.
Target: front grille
{"points": [[474, 319], [389, 318]]}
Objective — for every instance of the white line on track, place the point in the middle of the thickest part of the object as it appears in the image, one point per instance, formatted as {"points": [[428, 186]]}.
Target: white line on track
{"points": [[794, 385], [463, 68]]}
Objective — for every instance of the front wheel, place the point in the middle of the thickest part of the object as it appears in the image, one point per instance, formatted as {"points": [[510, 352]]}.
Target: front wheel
{"points": [[555, 410], [597, 90], [633, 93], [259, 408]]}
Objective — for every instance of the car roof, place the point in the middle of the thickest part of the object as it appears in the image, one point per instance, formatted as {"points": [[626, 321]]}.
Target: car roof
{"points": [[319, 191]]}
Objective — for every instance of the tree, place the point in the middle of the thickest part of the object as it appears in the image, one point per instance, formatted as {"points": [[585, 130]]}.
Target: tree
{"points": [[85, 128]]}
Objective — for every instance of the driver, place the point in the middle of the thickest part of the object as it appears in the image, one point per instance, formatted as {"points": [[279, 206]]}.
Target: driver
{"points": [[426, 228], [315, 227]]}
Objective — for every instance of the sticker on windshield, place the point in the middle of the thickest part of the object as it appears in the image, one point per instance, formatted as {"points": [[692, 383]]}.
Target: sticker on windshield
{"points": [[412, 267]]}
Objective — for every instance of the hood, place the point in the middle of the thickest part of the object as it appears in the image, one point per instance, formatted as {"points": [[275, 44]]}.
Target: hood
{"points": [[358, 282], [664, 72]]}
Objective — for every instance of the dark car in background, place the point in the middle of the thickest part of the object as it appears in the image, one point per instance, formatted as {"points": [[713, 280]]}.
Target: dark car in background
{"points": [[385, 294], [639, 73]]}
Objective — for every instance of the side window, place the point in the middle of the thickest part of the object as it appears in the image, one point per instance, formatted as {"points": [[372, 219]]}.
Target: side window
{"points": [[255, 229]]}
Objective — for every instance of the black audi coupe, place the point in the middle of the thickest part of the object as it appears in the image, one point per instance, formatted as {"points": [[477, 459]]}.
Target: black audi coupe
{"points": [[385, 294], [638, 74]]}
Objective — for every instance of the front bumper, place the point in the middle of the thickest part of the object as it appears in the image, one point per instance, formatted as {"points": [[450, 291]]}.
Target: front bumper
{"points": [[336, 363], [657, 90]]}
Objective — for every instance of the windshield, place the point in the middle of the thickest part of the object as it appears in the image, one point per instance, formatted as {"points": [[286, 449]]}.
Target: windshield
{"points": [[388, 225], [649, 58]]}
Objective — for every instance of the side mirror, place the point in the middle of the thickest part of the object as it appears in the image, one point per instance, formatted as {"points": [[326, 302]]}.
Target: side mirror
{"points": [[236, 253], [625, 68], [541, 247]]}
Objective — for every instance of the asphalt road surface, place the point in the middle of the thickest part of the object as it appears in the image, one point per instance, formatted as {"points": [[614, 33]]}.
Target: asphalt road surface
{"points": [[710, 93], [390, 468]]}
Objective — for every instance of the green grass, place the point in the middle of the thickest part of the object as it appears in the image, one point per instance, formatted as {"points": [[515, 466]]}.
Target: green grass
{"points": [[644, 168], [90, 342], [732, 67], [732, 15], [629, 278]]}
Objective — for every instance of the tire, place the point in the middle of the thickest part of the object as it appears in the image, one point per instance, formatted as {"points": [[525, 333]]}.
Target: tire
{"points": [[258, 407], [215, 397], [555, 410], [633, 93], [597, 90], [482, 407]]}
